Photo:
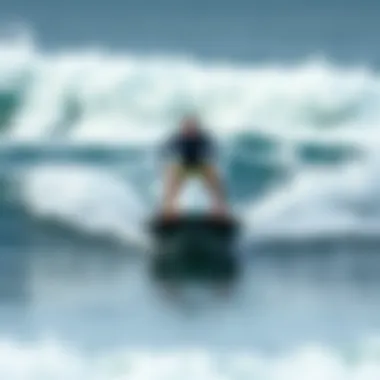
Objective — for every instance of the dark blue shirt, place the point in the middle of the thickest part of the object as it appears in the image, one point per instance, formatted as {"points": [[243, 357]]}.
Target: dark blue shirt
{"points": [[191, 150]]}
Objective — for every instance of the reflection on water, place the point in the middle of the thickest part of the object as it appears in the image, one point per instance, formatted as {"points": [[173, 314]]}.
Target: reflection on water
{"points": [[101, 297]]}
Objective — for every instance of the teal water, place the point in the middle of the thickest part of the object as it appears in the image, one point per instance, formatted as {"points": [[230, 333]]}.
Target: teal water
{"points": [[80, 130]]}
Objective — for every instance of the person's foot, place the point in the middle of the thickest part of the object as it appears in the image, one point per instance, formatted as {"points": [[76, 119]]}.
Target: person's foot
{"points": [[220, 212], [170, 214]]}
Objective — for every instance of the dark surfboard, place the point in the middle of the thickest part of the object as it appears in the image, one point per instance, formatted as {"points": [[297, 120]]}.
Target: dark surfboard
{"points": [[194, 247]]}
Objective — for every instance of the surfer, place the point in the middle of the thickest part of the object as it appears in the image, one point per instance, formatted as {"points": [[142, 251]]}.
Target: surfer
{"points": [[192, 153]]}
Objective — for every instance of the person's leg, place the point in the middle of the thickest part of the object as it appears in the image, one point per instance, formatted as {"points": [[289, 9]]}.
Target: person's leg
{"points": [[172, 184], [213, 182]]}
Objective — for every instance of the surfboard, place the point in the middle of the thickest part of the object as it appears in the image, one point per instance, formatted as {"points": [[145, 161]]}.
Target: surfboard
{"points": [[194, 246]]}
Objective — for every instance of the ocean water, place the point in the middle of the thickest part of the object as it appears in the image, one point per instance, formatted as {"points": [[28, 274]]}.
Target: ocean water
{"points": [[89, 90]]}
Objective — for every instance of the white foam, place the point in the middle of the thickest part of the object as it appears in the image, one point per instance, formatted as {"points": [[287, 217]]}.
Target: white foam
{"points": [[126, 97], [54, 361], [327, 201], [91, 96], [91, 199]]}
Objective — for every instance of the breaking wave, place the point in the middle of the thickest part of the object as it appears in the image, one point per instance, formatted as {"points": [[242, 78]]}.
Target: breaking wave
{"points": [[298, 143]]}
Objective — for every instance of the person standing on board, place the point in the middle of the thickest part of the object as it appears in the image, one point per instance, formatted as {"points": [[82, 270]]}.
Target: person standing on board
{"points": [[191, 151]]}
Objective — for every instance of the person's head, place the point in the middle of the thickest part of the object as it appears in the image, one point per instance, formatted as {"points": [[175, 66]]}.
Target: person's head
{"points": [[190, 125]]}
